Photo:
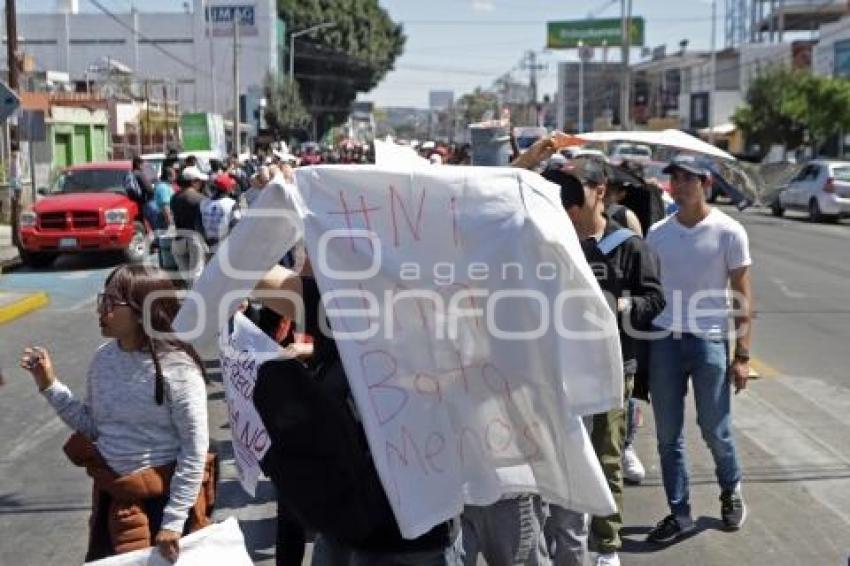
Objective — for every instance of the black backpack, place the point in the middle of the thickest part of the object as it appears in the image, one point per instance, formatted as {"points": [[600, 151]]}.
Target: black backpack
{"points": [[319, 459]]}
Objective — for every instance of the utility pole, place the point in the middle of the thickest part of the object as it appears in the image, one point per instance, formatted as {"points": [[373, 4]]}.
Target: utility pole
{"points": [[167, 126], [236, 118], [148, 112], [134, 17], [530, 64], [625, 95], [213, 86], [580, 125], [12, 59], [67, 42], [713, 79]]}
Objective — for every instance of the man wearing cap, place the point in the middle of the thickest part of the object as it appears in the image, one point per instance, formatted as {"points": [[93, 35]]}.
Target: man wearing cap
{"points": [[703, 253], [220, 212], [189, 249], [627, 272]]}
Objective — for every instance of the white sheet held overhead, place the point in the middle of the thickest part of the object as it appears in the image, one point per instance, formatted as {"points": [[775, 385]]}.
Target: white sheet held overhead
{"points": [[471, 328], [670, 138]]}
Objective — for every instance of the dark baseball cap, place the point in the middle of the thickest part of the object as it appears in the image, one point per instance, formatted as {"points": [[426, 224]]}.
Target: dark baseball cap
{"points": [[687, 163]]}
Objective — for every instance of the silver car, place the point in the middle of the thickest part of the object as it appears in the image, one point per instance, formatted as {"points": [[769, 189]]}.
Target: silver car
{"points": [[821, 188]]}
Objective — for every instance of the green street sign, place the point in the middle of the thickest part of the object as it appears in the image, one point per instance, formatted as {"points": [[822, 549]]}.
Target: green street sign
{"points": [[593, 33]]}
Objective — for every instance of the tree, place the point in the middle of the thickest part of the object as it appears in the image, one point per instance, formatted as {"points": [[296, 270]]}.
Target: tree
{"points": [[766, 118], [334, 64], [822, 104], [476, 105], [285, 112]]}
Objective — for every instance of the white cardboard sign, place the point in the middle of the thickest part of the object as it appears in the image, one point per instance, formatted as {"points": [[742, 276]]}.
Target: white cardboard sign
{"points": [[242, 352]]}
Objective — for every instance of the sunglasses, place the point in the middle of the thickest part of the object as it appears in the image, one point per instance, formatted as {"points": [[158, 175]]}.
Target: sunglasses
{"points": [[107, 303]]}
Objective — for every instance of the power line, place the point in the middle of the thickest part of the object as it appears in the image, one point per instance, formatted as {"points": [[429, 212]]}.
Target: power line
{"points": [[601, 9], [149, 41]]}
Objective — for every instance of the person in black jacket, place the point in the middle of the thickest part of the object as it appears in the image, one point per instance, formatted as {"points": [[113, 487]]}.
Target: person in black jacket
{"points": [[334, 490], [628, 273]]}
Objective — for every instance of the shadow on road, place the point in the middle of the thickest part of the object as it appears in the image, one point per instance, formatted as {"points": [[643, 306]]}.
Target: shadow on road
{"points": [[634, 537]]}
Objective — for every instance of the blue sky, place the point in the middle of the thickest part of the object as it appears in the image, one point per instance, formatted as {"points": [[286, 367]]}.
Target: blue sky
{"points": [[460, 44]]}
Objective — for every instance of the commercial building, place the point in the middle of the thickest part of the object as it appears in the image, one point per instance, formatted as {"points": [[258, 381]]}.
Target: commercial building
{"points": [[601, 96], [191, 51]]}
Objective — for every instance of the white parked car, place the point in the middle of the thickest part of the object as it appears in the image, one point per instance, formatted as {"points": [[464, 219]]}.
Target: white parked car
{"points": [[821, 188], [579, 152], [631, 151]]}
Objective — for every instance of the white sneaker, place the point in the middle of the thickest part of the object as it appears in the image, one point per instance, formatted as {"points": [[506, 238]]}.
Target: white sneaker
{"points": [[633, 471], [609, 559]]}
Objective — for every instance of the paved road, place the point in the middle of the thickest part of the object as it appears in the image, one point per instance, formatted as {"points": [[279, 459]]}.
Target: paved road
{"points": [[793, 425]]}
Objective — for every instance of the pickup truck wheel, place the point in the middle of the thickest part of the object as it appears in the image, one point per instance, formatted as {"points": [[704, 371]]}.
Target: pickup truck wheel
{"points": [[137, 250], [36, 259]]}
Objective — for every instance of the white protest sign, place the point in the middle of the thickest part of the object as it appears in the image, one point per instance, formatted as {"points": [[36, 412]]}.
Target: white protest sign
{"points": [[472, 331], [242, 352], [219, 543]]}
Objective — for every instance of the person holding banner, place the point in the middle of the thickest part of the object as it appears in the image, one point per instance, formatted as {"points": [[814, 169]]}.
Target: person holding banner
{"points": [[344, 542], [628, 273], [143, 421]]}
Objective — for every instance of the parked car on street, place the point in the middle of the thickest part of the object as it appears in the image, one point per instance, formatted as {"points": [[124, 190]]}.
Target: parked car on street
{"points": [[821, 188], [88, 210], [579, 152], [631, 152]]}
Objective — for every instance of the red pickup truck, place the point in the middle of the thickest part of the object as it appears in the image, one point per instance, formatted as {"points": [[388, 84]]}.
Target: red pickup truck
{"points": [[87, 211]]}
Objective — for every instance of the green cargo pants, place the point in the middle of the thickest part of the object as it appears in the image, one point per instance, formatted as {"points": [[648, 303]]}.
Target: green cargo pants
{"points": [[609, 438]]}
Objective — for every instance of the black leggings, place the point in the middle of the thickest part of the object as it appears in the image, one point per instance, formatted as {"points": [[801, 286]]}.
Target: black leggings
{"points": [[291, 538]]}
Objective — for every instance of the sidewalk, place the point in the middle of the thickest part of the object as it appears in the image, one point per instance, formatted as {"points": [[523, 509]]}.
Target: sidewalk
{"points": [[8, 252]]}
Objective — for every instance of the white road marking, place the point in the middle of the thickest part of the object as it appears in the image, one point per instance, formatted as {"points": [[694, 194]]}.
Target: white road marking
{"points": [[75, 275], [786, 291], [35, 438]]}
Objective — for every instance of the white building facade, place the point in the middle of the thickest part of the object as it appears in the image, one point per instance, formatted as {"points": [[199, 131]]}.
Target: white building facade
{"points": [[191, 53]]}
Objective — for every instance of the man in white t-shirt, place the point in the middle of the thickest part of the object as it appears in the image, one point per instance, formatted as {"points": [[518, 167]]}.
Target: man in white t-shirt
{"points": [[703, 253]]}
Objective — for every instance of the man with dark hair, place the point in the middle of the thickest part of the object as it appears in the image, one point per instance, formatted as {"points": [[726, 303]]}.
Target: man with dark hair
{"points": [[189, 247], [627, 272], [144, 197], [704, 253]]}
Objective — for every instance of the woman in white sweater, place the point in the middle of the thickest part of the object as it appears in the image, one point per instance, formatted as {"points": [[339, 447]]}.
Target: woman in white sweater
{"points": [[145, 403]]}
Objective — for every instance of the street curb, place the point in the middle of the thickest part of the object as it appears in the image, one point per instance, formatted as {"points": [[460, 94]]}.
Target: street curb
{"points": [[25, 305], [9, 264]]}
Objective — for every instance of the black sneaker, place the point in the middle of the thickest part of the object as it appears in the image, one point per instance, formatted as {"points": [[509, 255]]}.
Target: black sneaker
{"points": [[733, 510], [670, 528]]}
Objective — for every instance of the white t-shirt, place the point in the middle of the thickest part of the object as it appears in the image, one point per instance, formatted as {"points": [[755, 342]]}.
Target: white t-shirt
{"points": [[695, 267], [216, 216]]}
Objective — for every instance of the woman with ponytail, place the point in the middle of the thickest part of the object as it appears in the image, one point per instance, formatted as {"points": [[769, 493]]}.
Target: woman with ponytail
{"points": [[143, 421]]}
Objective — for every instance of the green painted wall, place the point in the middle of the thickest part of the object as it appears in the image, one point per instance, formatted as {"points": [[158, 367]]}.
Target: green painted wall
{"points": [[78, 143]]}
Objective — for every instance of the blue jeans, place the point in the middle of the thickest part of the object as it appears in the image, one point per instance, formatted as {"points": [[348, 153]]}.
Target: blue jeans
{"points": [[507, 533], [330, 552], [672, 360]]}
